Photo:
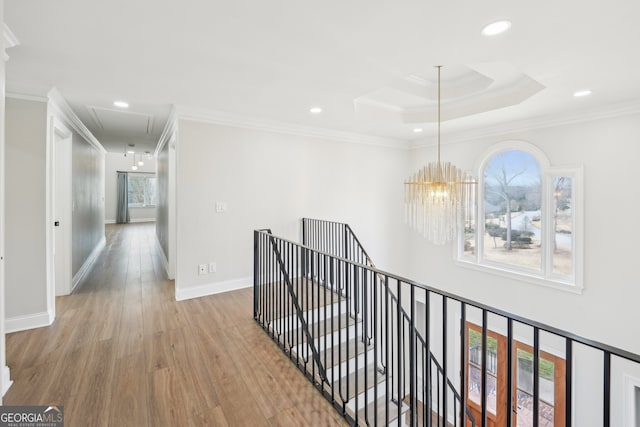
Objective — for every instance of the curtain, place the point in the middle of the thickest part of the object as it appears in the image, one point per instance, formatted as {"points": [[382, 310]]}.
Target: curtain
{"points": [[122, 210]]}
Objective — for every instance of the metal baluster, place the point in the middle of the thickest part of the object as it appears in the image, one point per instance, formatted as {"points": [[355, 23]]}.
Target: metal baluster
{"points": [[375, 346], [483, 398], [568, 381], [400, 343], [444, 360], [412, 358], [510, 397], [463, 362], [606, 410], [387, 344], [536, 377], [365, 316], [427, 332]]}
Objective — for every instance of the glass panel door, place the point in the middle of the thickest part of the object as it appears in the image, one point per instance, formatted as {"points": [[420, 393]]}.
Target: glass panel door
{"points": [[551, 386]]}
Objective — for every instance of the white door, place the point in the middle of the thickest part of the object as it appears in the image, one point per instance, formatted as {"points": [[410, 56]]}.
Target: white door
{"points": [[62, 211]]}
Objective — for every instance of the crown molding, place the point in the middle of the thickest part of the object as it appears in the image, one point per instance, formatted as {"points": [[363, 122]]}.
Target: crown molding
{"points": [[234, 120], [9, 40], [170, 128], [540, 122], [60, 106], [25, 97]]}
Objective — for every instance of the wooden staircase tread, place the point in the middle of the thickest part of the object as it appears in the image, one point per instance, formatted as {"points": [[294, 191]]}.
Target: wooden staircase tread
{"points": [[338, 353], [353, 384], [310, 294], [320, 329], [368, 413]]}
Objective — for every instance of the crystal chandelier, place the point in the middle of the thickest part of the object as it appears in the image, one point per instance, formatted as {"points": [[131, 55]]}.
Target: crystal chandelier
{"points": [[436, 195]]}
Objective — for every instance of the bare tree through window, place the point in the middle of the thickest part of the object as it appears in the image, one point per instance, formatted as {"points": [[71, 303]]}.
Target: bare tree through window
{"points": [[512, 197]]}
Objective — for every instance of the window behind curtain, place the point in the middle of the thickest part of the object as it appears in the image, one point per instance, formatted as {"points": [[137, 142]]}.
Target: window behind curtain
{"points": [[142, 190]]}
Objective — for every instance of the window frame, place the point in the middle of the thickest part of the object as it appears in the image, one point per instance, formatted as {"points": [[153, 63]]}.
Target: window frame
{"points": [[545, 276], [146, 176]]}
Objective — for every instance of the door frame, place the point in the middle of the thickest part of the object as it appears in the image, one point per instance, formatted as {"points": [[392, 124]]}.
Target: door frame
{"points": [[500, 416], [56, 131], [502, 412], [558, 381]]}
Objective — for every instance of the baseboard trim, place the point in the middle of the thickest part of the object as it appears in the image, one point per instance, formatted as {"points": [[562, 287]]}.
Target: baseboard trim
{"points": [[28, 321], [6, 380], [165, 261], [88, 264], [113, 221], [212, 288], [142, 220]]}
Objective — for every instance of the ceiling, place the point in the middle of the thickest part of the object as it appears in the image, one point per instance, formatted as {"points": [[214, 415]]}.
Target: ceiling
{"points": [[368, 64]]}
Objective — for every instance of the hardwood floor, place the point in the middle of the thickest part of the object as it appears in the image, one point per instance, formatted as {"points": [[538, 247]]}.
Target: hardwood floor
{"points": [[123, 352]]}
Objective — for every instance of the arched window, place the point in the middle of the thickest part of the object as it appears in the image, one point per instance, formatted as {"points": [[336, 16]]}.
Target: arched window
{"points": [[526, 220]]}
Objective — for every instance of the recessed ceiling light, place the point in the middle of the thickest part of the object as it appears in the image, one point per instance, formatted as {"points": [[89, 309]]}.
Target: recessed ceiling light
{"points": [[121, 104], [496, 28], [315, 110], [417, 130], [580, 93]]}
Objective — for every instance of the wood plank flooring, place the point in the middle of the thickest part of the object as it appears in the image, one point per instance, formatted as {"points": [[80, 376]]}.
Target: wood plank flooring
{"points": [[123, 352]]}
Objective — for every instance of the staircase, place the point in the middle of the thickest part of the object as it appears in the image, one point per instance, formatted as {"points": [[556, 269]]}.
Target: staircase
{"points": [[386, 351], [344, 327]]}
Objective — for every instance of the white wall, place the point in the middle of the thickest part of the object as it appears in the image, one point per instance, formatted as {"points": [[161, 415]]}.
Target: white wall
{"points": [[25, 243], [607, 309], [118, 162], [27, 216], [272, 180]]}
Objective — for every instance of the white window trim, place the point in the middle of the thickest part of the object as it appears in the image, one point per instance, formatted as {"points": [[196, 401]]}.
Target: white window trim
{"points": [[544, 277]]}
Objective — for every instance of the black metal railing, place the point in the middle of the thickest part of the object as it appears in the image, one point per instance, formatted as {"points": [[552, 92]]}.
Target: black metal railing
{"points": [[335, 238], [386, 350]]}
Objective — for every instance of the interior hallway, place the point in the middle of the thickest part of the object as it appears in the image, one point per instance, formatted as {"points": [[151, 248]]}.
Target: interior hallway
{"points": [[123, 352]]}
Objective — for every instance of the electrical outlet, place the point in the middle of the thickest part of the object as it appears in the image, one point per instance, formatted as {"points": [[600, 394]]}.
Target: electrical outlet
{"points": [[202, 269], [212, 267]]}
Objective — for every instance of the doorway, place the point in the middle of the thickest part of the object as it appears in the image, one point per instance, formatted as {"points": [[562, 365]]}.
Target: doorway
{"points": [[551, 371], [59, 277]]}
